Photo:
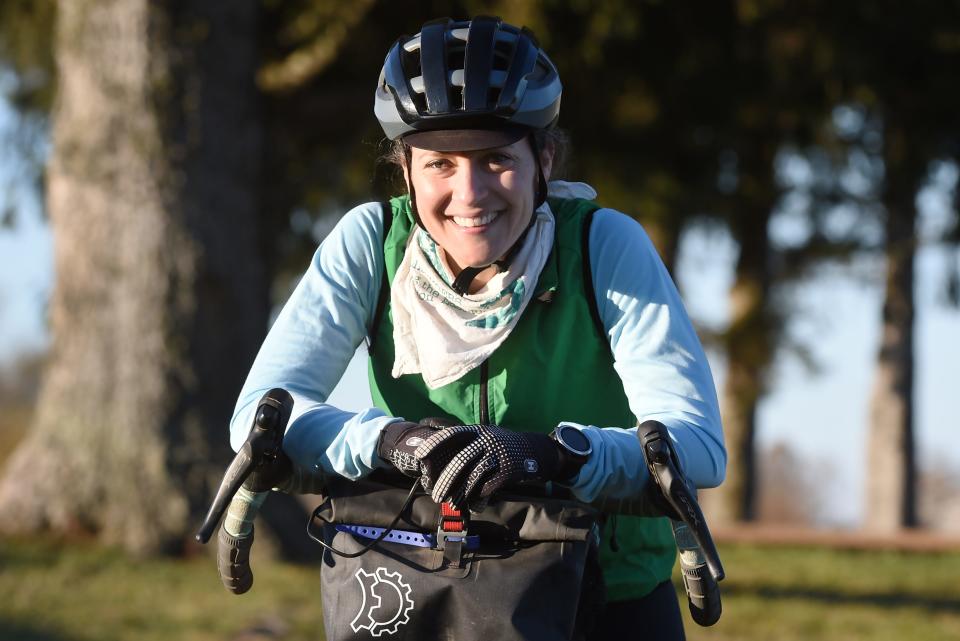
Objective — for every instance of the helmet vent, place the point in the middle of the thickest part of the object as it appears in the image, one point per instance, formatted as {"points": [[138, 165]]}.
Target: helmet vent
{"points": [[455, 63], [502, 54]]}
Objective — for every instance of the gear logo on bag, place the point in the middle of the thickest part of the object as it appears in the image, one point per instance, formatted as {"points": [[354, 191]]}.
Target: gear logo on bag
{"points": [[386, 603]]}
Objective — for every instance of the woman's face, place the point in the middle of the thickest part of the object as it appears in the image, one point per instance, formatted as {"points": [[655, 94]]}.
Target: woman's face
{"points": [[475, 204]]}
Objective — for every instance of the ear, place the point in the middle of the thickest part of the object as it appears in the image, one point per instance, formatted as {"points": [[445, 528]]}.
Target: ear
{"points": [[546, 159]]}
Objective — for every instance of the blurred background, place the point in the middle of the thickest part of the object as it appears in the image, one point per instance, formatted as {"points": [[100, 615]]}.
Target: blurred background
{"points": [[167, 170]]}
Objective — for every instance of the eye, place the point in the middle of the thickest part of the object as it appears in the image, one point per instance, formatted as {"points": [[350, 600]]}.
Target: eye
{"points": [[437, 163], [499, 159]]}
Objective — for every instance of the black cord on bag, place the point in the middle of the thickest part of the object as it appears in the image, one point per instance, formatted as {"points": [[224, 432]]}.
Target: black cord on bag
{"points": [[366, 548]]}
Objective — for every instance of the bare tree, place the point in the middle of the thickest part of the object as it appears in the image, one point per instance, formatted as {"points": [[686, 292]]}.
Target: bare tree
{"points": [[160, 299], [793, 488], [920, 124], [939, 489], [891, 457]]}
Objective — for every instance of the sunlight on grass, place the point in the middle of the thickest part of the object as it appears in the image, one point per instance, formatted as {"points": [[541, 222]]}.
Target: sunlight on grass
{"points": [[819, 593], [50, 592], [83, 592]]}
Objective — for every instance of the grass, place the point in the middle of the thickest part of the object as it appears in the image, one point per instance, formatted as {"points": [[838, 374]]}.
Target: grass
{"points": [[80, 592], [821, 593]]}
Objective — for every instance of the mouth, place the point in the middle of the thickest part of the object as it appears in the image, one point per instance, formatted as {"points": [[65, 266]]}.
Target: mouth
{"points": [[476, 221]]}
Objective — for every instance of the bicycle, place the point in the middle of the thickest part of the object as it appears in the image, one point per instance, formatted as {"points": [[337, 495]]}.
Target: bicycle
{"points": [[444, 541]]}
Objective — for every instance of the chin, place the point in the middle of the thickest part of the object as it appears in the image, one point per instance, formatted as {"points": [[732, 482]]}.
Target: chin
{"points": [[478, 262], [474, 259]]}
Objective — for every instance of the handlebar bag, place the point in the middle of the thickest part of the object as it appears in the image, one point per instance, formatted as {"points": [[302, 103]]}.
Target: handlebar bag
{"points": [[529, 572]]}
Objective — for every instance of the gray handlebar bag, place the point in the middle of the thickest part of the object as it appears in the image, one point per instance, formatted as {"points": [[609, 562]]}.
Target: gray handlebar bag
{"points": [[533, 574]]}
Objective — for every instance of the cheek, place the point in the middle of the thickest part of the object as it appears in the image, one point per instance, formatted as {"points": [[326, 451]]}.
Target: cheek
{"points": [[523, 192], [516, 185], [431, 191], [426, 196]]}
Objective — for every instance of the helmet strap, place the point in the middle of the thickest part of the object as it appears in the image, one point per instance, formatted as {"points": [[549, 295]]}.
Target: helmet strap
{"points": [[540, 196], [461, 284], [408, 156]]}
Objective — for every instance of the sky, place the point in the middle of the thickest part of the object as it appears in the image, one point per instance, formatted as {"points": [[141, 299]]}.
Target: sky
{"points": [[820, 415]]}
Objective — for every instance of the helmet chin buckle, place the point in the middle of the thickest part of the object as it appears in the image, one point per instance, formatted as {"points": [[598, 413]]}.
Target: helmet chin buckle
{"points": [[461, 284]]}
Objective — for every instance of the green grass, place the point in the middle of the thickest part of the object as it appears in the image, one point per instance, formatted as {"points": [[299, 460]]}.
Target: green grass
{"points": [[52, 592], [81, 592], [820, 593]]}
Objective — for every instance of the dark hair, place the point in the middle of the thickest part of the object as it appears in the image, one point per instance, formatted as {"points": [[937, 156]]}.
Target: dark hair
{"points": [[394, 155]]}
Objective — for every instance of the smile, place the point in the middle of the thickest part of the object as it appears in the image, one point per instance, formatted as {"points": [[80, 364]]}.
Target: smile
{"points": [[476, 221]]}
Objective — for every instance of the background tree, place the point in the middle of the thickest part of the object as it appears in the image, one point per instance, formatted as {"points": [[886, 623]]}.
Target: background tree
{"points": [[26, 81], [900, 64], [160, 297]]}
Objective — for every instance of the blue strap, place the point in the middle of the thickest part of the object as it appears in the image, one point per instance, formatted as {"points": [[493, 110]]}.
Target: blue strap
{"points": [[405, 537]]}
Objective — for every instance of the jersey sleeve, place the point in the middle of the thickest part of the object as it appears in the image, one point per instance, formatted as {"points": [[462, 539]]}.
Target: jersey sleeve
{"points": [[659, 359], [310, 345]]}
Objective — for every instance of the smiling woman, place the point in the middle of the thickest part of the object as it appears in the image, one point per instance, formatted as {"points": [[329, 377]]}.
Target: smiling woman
{"points": [[501, 308]]}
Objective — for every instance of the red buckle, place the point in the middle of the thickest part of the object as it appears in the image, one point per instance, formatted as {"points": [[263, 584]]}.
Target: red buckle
{"points": [[450, 534], [451, 519]]}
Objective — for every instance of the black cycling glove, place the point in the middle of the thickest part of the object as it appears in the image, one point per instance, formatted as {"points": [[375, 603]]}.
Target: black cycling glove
{"points": [[465, 464], [400, 439]]}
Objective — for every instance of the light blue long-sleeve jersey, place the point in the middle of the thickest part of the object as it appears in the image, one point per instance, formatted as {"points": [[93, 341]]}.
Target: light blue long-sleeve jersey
{"points": [[656, 353]]}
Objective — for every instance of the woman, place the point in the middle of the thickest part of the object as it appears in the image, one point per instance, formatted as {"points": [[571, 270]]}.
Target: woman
{"points": [[541, 326]]}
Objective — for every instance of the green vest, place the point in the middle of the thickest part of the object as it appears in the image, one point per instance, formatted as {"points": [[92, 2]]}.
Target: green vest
{"points": [[553, 367]]}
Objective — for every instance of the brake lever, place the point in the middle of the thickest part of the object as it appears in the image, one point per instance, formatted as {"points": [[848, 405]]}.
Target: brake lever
{"points": [[697, 549], [263, 446]]}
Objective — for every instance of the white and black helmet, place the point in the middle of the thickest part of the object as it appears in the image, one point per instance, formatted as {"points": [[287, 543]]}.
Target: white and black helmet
{"points": [[480, 74]]}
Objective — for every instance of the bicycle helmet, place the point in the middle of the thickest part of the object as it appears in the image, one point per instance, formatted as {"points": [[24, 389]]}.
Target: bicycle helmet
{"points": [[464, 85]]}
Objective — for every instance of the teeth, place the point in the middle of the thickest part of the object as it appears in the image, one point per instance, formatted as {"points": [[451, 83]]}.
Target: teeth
{"points": [[476, 221]]}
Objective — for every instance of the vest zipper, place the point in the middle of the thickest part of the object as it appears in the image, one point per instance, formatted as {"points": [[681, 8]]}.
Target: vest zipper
{"points": [[484, 405]]}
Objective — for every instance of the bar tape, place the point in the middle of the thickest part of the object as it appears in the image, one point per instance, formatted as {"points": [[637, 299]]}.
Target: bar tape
{"points": [[405, 537]]}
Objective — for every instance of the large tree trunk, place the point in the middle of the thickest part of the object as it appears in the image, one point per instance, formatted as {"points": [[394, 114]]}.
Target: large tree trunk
{"points": [[891, 501], [160, 298]]}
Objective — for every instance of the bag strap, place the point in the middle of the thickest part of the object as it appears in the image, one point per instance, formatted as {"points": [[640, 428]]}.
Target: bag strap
{"points": [[384, 284], [588, 276]]}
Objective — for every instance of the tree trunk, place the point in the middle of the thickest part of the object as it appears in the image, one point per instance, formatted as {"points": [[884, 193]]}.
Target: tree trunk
{"points": [[160, 300], [748, 355], [891, 466], [752, 335]]}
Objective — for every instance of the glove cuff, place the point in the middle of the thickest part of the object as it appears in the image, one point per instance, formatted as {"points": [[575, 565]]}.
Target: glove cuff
{"points": [[397, 443], [551, 457], [569, 466]]}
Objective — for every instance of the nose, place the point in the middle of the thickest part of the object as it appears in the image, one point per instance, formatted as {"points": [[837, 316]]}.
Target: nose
{"points": [[469, 183]]}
